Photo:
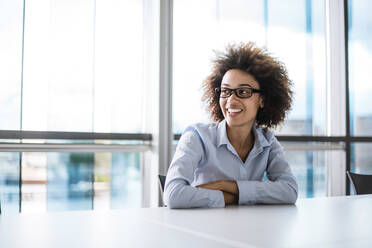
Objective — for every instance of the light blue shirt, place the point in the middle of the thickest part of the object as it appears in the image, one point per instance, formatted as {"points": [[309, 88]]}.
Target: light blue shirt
{"points": [[205, 154]]}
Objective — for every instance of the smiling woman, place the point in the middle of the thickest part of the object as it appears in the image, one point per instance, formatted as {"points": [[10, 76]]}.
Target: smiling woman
{"points": [[225, 162]]}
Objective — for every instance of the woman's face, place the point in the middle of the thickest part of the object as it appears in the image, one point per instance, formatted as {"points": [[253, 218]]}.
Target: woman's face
{"points": [[240, 112]]}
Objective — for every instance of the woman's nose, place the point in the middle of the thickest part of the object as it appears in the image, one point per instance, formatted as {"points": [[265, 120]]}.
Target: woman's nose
{"points": [[232, 97]]}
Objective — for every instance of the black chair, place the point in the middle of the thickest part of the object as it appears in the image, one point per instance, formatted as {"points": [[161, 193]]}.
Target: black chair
{"points": [[362, 184], [161, 185], [162, 182]]}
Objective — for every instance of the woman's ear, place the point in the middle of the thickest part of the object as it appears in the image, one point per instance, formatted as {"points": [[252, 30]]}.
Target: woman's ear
{"points": [[262, 102]]}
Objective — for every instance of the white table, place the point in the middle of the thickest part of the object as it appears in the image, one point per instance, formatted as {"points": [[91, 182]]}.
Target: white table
{"points": [[323, 222]]}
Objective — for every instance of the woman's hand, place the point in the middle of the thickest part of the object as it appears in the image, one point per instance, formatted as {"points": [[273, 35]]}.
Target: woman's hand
{"points": [[229, 189], [223, 185], [230, 199]]}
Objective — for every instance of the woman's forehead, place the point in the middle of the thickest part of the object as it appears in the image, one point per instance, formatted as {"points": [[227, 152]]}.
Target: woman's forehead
{"points": [[238, 78]]}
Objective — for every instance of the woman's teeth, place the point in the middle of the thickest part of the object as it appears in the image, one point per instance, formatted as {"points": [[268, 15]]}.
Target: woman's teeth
{"points": [[234, 110]]}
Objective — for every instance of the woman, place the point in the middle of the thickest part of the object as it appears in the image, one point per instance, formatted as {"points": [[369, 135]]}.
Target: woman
{"points": [[224, 163]]}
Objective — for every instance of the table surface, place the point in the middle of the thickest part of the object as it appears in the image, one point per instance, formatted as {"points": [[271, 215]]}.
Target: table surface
{"points": [[320, 222]]}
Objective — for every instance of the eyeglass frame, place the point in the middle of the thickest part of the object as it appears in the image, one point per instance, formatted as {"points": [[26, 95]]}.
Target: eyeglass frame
{"points": [[235, 91]]}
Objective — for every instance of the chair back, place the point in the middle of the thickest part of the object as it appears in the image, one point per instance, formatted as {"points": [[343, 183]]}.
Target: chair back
{"points": [[162, 182], [362, 184], [161, 186]]}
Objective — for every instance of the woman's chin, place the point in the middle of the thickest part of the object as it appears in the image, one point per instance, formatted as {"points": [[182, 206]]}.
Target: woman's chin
{"points": [[235, 123]]}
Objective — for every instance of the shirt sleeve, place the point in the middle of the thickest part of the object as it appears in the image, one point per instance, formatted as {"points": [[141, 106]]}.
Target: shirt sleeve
{"points": [[178, 192], [281, 186]]}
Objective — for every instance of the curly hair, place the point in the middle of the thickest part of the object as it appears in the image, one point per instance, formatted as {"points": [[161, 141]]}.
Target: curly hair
{"points": [[275, 86]]}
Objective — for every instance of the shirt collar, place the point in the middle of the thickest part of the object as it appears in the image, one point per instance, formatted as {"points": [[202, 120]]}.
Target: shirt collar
{"points": [[222, 139], [222, 134], [260, 140]]}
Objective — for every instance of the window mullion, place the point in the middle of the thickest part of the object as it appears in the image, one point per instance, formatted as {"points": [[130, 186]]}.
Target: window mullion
{"points": [[336, 83], [165, 85]]}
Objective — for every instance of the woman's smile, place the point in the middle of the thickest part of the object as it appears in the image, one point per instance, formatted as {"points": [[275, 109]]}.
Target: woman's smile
{"points": [[232, 112]]}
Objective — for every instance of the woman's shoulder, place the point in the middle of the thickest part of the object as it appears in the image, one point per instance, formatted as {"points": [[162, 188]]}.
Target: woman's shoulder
{"points": [[203, 130], [204, 126], [266, 135]]}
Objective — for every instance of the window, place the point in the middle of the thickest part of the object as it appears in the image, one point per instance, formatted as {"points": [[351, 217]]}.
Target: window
{"points": [[9, 181], [309, 167], [70, 181], [83, 66], [360, 57], [71, 69], [360, 90], [11, 19]]}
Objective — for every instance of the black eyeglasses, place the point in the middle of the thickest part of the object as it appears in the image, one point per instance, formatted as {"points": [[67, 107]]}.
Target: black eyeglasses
{"points": [[245, 92]]}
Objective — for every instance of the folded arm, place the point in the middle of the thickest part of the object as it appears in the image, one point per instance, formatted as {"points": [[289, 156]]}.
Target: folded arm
{"points": [[182, 195], [229, 189], [281, 186], [178, 191]]}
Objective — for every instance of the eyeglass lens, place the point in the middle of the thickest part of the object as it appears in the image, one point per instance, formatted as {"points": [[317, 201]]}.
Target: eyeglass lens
{"points": [[239, 92]]}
